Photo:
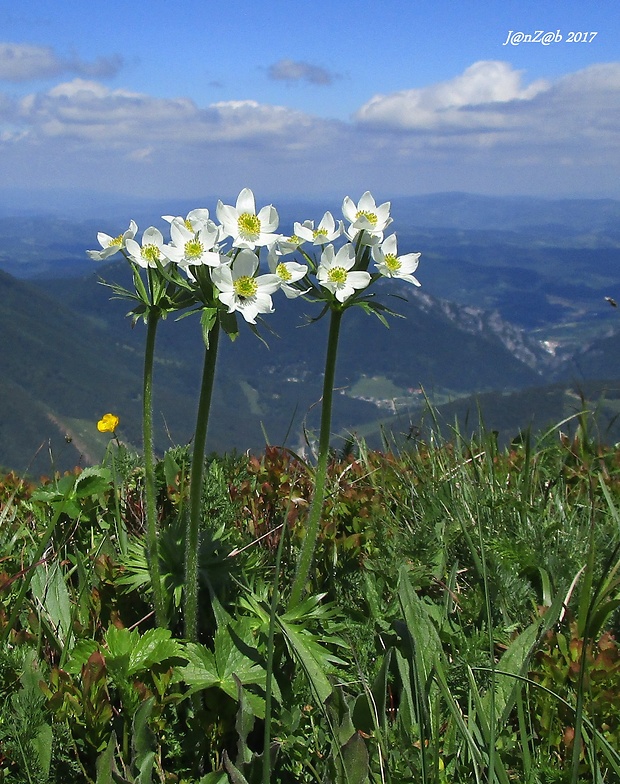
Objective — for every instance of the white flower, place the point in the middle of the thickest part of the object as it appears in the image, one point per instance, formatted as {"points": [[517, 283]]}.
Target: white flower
{"points": [[366, 216], [112, 245], [290, 244], [151, 251], [192, 248], [247, 228], [194, 221], [334, 272], [240, 289], [288, 272], [391, 265], [327, 230]]}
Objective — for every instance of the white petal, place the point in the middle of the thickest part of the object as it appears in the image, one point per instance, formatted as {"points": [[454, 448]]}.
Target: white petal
{"points": [[245, 263], [222, 278], [349, 209], [389, 245], [268, 283], [246, 202], [359, 280], [345, 257], [269, 219], [367, 203]]}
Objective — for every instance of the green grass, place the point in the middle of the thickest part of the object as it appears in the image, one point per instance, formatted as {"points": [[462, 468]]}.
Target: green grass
{"points": [[459, 622]]}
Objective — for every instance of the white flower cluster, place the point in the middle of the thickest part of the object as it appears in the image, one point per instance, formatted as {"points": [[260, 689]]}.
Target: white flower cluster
{"points": [[197, 241]]}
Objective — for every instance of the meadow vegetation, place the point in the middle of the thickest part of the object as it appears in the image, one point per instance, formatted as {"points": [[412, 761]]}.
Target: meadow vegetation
{"points": [[459, 623]]}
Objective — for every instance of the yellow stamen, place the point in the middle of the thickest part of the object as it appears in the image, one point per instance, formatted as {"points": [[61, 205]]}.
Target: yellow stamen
{"points": [[249, 225], [245, 286], [337, 275], [151, 254], [370, 216], [194, 249], [283, 273], [392, 262]]}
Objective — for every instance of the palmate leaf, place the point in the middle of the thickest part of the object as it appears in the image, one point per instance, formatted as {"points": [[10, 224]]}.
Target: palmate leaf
{"points": [[129, 652], [303, 645], [230, 663]]}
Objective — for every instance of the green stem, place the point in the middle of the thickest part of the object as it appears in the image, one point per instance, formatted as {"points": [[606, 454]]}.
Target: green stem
{"points": [[314, 517], [149, 469], [275, 597], [195, 488]]}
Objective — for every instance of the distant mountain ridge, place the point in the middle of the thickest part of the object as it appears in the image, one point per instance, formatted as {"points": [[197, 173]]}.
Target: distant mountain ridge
{"points": [[516, 295], [75, 354]]}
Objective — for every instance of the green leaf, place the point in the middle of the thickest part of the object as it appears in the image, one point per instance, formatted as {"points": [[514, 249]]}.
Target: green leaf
{"points": [[42, 746], [243, 724], [228, 322], [49, 588], [200, 672], [208, 318], [80, 654], [216, 777], [93, 481], [155, 646], [226, 666], [235, 775], [515, 661], [312, 658], [144, 742], [105, 762], [120, 643], [422, 632], [369, 711], [355, 758]]}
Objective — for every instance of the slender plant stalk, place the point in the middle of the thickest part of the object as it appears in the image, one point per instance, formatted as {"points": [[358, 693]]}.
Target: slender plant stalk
{"points": [[275, 597], [195, 488], [316, 508], [149, 469], [492, 707]]}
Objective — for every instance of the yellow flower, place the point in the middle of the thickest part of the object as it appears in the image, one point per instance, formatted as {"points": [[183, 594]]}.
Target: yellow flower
{"points": [[108, 423]]}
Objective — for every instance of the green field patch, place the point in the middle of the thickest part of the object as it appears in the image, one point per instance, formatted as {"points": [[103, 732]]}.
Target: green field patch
{"points": [[376, 387], [252, 397]]}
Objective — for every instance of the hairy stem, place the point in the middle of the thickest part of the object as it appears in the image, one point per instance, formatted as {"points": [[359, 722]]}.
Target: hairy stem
{"points": [[316, 508], [192, 529], [149, 469]]}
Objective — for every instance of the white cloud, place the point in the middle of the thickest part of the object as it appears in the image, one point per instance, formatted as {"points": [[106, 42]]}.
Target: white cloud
{"points": [[485, 84], [26, 62], [486, 130], [90, 111]]}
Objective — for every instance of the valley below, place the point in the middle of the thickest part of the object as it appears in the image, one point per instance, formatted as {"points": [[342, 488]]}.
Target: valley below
{"points": [[515, 325]]}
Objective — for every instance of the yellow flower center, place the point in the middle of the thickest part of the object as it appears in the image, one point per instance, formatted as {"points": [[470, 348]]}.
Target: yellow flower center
{"points": [[245, 287], [249, 225], [337, 275], [370, 216], [295, 240], [319, 233], [193, 249], [392, 262], [150, 253], [188, 224], [118, 241], [283, 273]]}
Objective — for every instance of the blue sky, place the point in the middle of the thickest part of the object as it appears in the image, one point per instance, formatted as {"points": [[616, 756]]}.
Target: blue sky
{"points": [[200, 99]]}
